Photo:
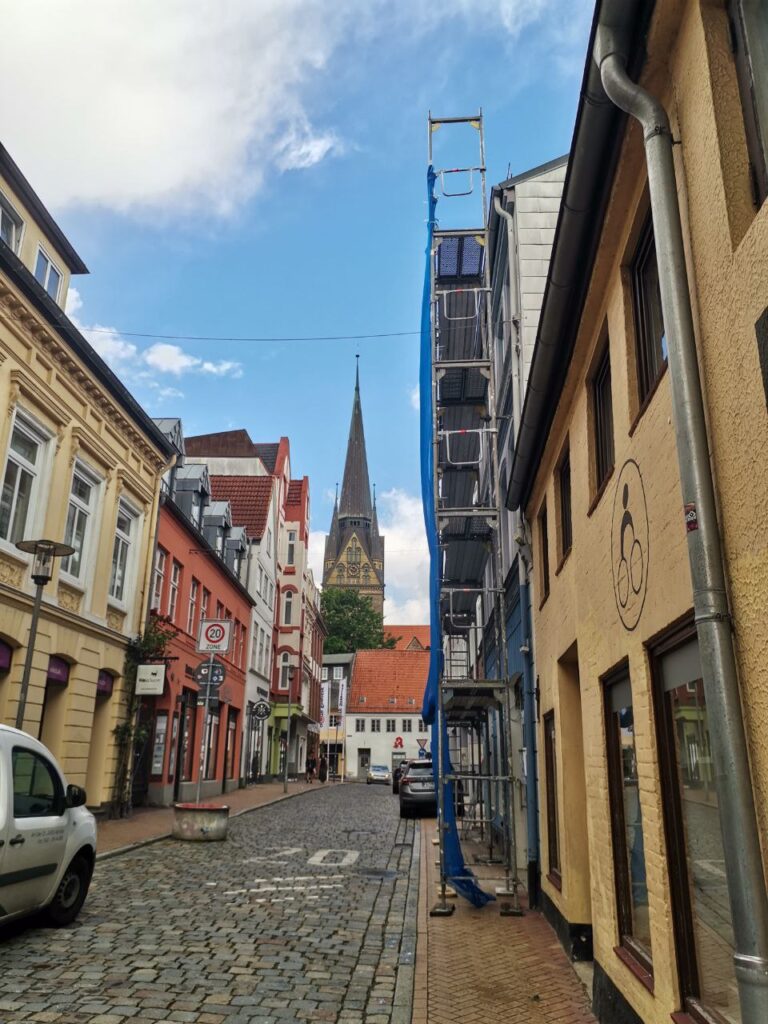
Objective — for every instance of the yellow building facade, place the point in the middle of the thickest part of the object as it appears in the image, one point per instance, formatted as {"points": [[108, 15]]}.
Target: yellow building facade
{"points": [[631, 850], [81, 463]]}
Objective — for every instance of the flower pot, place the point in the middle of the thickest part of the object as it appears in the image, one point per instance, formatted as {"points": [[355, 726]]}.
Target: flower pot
{"points": [[202, 823]]}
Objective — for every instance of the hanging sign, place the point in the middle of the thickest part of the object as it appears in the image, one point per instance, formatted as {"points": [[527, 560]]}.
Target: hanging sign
{"points": [[214, 636], [262, 709], [150, 680], [216, 671]]}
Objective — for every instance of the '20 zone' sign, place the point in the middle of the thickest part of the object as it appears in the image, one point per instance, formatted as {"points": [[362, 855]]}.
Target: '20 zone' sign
{"points": [[214, 636]]}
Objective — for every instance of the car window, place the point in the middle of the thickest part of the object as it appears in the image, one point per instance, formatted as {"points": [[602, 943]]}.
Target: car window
{"points": [[420, 770], [37, 790], [380, 768]]}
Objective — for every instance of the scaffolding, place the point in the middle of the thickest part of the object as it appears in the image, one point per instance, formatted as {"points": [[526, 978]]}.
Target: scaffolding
{"points": [[475, 703]]}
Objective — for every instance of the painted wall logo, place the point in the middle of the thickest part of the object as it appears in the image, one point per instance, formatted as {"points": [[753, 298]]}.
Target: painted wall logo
{"points": [[630, 549]]}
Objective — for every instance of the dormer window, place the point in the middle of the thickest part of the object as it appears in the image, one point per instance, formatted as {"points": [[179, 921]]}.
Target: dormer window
{"points": [[48, 275], [11, 225]]}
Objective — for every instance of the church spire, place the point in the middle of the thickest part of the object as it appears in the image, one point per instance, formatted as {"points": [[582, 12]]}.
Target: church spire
{"points": [[355, 487]]}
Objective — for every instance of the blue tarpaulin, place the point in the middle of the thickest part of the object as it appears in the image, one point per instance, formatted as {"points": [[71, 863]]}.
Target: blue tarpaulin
{"points": [[458, 875]]}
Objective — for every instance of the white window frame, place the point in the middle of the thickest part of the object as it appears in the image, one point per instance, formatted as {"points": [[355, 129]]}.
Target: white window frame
{"points": [[39, 472], [174, 585], [129, 543], [10, 211], [338, 672], [205, 600], [269, 541], [291, 553], [359, 725], [324, 673], [375, 725], [90, 512], [288, 610], [158, 577], [51, 265], [284, 683], [194, 593], [407, 724]]}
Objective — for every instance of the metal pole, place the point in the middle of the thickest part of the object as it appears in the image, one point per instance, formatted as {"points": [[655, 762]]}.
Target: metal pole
{"points": [[736, 807], [29, 655], [206, 699], [288, 734]]}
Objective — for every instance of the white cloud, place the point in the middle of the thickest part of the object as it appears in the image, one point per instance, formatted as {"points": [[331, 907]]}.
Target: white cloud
{"points": [[133, 364], [315, 554], [190, 105], [414, 397], [407, 557]]}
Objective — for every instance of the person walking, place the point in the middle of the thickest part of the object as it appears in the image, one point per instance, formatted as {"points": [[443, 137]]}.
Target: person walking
{"points": [[310, 766], [323, 771]]}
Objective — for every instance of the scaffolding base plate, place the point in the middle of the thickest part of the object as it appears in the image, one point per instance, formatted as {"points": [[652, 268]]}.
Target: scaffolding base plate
{"points": [[503, 893], [505, 910], [442, 910]]}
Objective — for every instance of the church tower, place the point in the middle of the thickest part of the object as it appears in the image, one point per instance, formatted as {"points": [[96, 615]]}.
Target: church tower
{"points": [[354, 548]]}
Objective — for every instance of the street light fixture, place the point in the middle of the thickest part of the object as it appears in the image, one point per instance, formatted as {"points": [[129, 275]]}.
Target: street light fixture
{"points": [[44, 552]]}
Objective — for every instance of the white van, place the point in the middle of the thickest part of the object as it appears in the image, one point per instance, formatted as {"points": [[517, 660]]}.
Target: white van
{"points": [[47, 836]]}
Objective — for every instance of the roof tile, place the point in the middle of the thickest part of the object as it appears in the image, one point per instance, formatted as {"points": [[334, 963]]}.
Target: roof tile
{"points": [[249, 497], [412, 638], [382, 674]]}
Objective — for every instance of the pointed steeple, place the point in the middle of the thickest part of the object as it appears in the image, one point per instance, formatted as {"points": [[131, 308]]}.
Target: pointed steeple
{"points": [[355, 487], [332, 540]]}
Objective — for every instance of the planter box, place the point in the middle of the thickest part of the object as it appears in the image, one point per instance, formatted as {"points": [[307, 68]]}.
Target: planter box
{"points": [[203, 823]]}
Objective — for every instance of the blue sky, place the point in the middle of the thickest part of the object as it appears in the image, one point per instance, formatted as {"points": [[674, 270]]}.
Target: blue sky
{"points": [[256, 168]]}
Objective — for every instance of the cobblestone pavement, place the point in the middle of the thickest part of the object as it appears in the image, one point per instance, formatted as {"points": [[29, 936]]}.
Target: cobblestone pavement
{"points": [[306, 913]]}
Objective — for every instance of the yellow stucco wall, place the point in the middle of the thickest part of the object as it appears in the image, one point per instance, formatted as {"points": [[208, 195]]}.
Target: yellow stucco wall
{"points": [[42, 378], [691, 68]]}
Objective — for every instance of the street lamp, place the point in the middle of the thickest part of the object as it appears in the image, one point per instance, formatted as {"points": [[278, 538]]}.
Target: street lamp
{"points": [[291, 674], [44, 552]]}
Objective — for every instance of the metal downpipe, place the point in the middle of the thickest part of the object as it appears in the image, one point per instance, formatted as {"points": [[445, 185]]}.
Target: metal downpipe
{"points": [[738, 820]]}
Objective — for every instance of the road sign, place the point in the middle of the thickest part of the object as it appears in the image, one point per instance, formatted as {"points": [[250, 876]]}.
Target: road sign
{"points": [[150, 680], [262, 709], [214, 636], [422, 752], [422, 744], [215, 669]]}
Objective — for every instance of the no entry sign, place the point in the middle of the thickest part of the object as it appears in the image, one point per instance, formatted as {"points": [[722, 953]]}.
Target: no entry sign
{"points": [[214, 636]]}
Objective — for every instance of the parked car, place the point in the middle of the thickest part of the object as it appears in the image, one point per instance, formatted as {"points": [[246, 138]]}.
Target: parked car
{"points": [[397, 775], [378, 773], [47, 835], [417, 789]]}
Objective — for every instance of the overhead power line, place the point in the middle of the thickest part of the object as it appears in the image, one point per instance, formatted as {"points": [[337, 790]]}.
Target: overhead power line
{"points": [[217, 337]]}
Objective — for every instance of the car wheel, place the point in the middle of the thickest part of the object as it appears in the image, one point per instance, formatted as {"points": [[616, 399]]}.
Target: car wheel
{"points": [[71, 893]]}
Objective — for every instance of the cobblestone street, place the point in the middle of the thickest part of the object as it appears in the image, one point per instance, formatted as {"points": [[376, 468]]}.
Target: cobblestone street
{"points": [[307, 912]]}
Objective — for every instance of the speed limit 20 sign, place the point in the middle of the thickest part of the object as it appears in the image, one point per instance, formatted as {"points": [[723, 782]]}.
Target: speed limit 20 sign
{"points": [[214, 636]]}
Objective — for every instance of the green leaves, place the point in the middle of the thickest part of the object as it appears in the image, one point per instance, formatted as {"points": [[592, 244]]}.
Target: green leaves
{"points": [[353, 623]]}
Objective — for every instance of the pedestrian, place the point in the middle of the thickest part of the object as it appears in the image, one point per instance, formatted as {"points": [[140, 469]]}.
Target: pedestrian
{"points": [[311, 764], [323, 772]]}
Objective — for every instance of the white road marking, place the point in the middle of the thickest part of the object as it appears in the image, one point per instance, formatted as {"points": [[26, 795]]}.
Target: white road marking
{"points": [[347, 859]]}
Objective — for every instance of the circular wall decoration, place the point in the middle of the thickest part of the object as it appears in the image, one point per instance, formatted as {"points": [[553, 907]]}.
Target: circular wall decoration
{"points": [[630, 547]]}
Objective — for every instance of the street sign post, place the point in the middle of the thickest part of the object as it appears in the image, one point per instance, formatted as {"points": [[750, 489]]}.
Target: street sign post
{"points": [[214, 637]]}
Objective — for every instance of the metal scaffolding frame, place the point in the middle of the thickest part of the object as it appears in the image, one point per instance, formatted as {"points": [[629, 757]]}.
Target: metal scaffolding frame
{"points": [[476, 710]]}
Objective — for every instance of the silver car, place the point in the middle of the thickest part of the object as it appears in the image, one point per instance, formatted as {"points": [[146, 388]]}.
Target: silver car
{"points": [[378, 773]]}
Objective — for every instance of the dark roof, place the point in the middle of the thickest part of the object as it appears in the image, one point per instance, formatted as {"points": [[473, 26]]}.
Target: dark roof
{"points": [[61, 325], [12, 173], [222, 444], [356, 487], [533, 172], [597, 141], [249, 497], [268, 455]]}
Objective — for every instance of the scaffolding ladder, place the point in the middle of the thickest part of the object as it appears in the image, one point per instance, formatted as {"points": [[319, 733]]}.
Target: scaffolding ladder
{"points": [[475, 696]]}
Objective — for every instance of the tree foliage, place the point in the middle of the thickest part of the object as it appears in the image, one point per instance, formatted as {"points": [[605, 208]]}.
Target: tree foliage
{"points": [[353, 623]]}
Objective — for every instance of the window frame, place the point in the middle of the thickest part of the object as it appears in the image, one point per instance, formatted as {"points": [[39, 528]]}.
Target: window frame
{"points": [[290, 558], [603, 433], [645, 355], [194, 593], [7, 208], [59, 804], [158, 579], [552, 804], [288, 608], [26, 426], [359, 725], [284, 682], [375, 725], [565, 503], [127, 545], [174, 586], [543, 532], [89, 511], [51, 265], [756, 134]]}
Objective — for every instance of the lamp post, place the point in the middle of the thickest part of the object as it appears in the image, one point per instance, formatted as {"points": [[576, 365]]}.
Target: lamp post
{"points": [[291, 673], [44, 552]]}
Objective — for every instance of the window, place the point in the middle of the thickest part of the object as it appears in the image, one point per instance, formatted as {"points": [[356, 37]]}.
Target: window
{"points": [[37, 789], [82, 498], [324, 672], [550, 767], [204, 604], [22, 467], [219, 610], [750, 43], [391, 725], [158, 582], [271, 594], [121, 549], [269, 541], [544, 550], [407, 724], [158, 747], [285, 672], [194, 590], [334, 721], [566, 526], [47, 274], [11, 225], [353, 553], [359, 725], [603, 419], [701, 909], [337, 672], [626, 821], [256, 640], [173, 593], [212, 745], [375, 725], [422, 725], [260, 589], [291, 547], [649, 321], [288, 608]]}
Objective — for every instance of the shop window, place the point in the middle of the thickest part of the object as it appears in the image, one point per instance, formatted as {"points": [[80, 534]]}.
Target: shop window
{"points": [[701, 908], [158, 746], [211, 745], [6, 658], [230, 767], [550, 767], [602, 407], [651, 338], [749, 32], [564, 488], [105, 683], [627, 822], [188, 742]]}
